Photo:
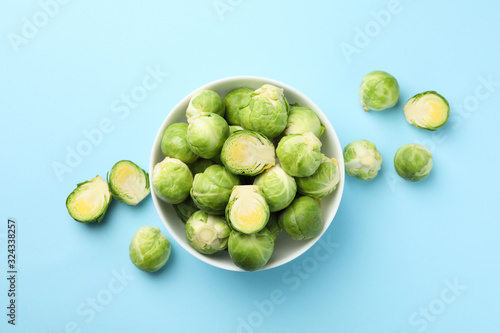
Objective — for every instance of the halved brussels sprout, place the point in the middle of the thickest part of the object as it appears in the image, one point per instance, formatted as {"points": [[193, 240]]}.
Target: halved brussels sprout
{"points": [[89, 201], [273, 225], [267, 112], [247, 210], [233, 129], [236, 100], [247, 153], [321, 183], [302, 120], [413, 162], [302, 219], [212, 188], [149, 249], [299, 154], [278, 187], [362, 159], [206, 233], [427, 110], [128, 183], [172, 180], [185, 209], [200, 165], [251, 252], [206, 134], [379, 90], [174, 143], [205, 101]]}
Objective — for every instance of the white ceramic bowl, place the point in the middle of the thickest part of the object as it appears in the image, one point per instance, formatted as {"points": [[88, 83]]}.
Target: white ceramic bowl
{"points": [[286, 249]]}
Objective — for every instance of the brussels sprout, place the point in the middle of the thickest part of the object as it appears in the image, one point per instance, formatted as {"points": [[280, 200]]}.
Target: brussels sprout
{"points": [[205, 101], [149, 249], [200, 165], [212, 188], [247, 153], [302, 219], [362, 159], [299, 154], [174, 143], [413, 162], [236, 100], [278, 187], [427, 110], [128, 183], [251, 252], [247, 210], [267, 112], [206, 233], [206, 134], [379, 90], [89, 201], [172, 180], [321, 183], [233, 129], [185, 209], [302, 120], [273, 225]]}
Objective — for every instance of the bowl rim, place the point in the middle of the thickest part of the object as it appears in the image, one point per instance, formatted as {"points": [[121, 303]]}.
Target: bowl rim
{"points": [[334, 140]]}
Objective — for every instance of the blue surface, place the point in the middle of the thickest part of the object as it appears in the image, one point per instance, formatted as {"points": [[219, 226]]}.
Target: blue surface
{"points": [[405, 257]]}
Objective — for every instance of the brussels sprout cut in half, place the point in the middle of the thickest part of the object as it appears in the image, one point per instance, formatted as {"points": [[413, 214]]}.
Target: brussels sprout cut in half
{"points": [[278, 187], [247, 153], [212, 188], [205, 101], [267, 112], [185, 209], [302, 219], [362, 159], [299, 154], [427, 110], [413, 162], [236, 100], [149, 249], [251, 252], [302, 120], [206, 134], [206, 233], [172, 180], [128, 182], [321, 183], [174, 143], [89, 201], [378, 91], [247, 210]]}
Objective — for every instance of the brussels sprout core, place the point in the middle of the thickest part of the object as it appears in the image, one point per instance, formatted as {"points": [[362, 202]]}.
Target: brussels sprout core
{"points": [[206, 233], [427, 110], [378, 91], [89, 201], [413, 162], [149, 249], [128, 182], [247, 211]]}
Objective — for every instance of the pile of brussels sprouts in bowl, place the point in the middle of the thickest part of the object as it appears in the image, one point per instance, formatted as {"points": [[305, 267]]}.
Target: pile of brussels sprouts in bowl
{"points": [[246, 173]]}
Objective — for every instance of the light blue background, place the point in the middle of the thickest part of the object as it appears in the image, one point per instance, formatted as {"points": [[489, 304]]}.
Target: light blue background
{"points": [[399, 244]]}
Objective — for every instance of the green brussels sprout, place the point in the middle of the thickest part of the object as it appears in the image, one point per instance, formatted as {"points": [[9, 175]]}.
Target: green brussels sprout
{"points": [[206, 134], [185, 209], [302, 219], [302, 120], [206, 233], [362, 159], [205, 101], [200, 165], [379, 90], [172, 180], [321, 183], [174, 143], [149, 249], [212, 188], [427, 110], [413, 162], [247, 210], [128, 183], [273, 225], [278, 187], [267, 112], [299, 154], [251, 252], [247, 153], [89, 201], [234, 128], [236, 100]]}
